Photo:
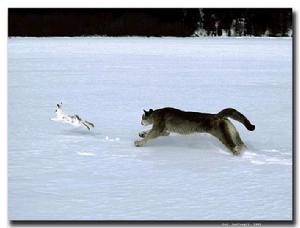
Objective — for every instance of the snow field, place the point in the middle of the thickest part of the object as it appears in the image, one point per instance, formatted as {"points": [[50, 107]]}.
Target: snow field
{"points": [[57, 172]]}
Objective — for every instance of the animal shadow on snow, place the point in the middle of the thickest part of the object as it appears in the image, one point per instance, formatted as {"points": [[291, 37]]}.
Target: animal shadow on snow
{"points": [[80, 132], [203, 142]]}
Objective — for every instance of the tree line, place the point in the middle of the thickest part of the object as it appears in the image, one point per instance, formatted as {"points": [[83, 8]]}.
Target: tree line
{"points": [[150, 22]]}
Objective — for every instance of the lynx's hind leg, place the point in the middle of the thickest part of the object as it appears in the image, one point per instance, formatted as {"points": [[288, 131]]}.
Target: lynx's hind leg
{"points": [[240, 146], [229, 136], [165, 133], [238, 140], [234, 134]]}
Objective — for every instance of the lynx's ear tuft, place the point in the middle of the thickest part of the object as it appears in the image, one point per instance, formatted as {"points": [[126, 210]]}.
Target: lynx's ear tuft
{"points": [[145, 111], [150, 110]]}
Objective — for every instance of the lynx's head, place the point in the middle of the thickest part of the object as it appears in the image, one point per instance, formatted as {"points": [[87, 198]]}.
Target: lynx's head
{"points": [[147, 117]]}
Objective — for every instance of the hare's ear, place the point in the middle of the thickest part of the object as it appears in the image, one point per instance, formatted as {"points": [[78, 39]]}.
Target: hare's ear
{"points": [[57, 105]]}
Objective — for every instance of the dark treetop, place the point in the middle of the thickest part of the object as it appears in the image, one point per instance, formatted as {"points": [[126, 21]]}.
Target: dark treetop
{"points": [[149, 22]]}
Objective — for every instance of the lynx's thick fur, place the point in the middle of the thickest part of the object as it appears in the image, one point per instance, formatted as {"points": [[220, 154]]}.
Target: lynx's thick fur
{"points": [[168, 120]]}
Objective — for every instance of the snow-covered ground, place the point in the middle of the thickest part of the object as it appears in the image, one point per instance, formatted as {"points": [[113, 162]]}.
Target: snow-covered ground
{"points": [[60, 172]]}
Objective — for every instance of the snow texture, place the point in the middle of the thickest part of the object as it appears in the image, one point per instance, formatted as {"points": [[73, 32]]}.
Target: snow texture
{"points": [[58, 172]]}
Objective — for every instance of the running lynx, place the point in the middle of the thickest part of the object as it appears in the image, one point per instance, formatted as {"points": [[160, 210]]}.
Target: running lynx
{"points": [[168, 120]]}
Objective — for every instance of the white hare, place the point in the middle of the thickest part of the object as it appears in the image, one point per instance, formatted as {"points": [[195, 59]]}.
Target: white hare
{"points": [[74, 120]]}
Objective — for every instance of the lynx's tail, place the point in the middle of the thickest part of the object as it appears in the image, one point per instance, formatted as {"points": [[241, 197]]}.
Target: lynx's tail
{"points": [[234, 114]]}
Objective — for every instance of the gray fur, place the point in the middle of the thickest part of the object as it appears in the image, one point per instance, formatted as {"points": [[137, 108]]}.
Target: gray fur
{"points": [[168, 120]]}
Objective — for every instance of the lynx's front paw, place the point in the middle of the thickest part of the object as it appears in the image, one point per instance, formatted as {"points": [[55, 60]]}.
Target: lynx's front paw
{"points": [[143, 134], [139, 143]]}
